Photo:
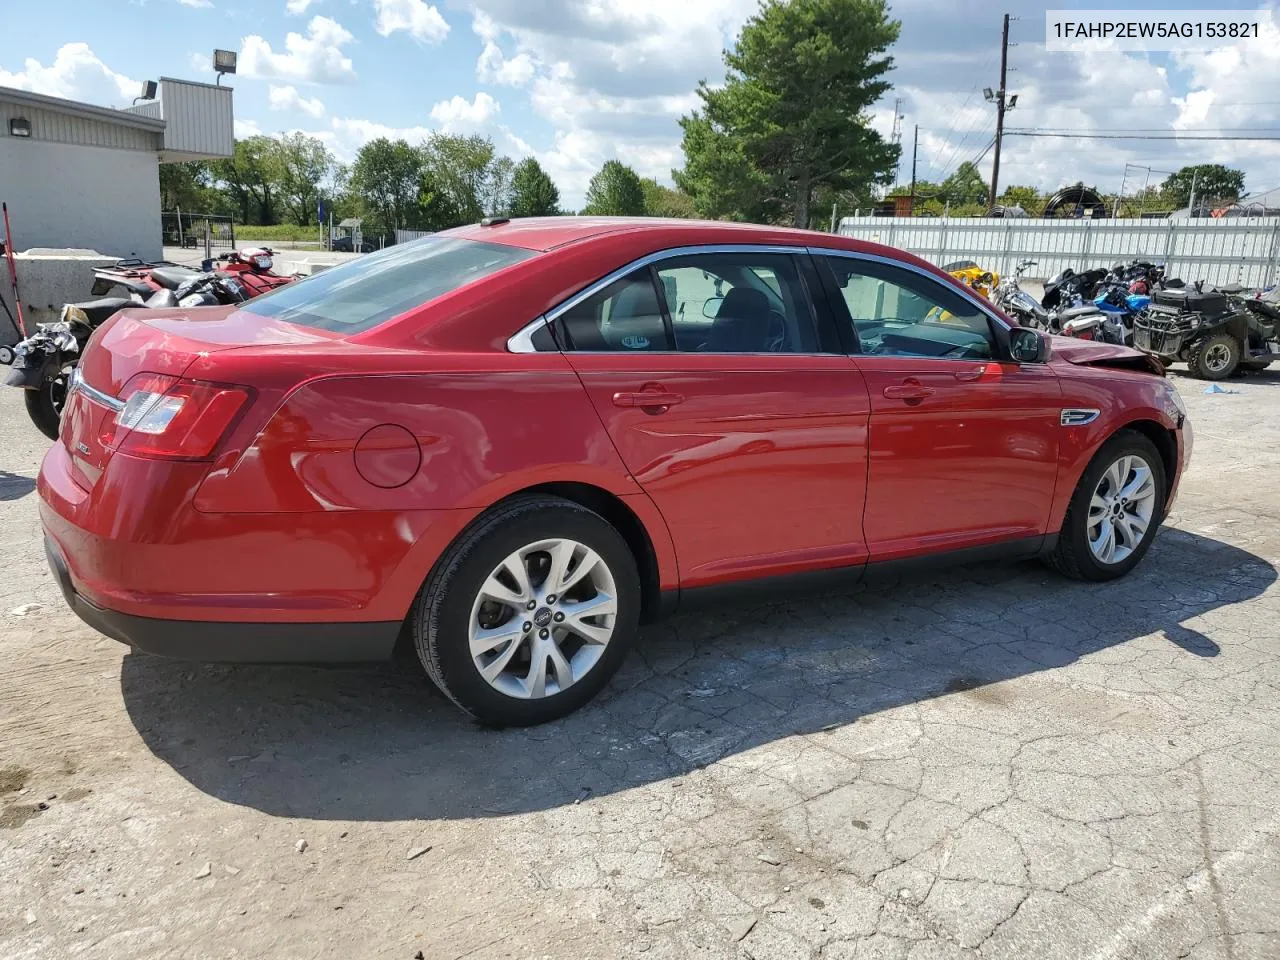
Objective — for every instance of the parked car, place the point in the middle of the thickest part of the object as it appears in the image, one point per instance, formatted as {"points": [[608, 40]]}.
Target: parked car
{"points": [[512, 443]]}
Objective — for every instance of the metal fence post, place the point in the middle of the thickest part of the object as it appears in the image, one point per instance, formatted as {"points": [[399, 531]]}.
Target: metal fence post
{"points": [[1273, 255], [942, 244], [1171, 243], [1084, 246]]}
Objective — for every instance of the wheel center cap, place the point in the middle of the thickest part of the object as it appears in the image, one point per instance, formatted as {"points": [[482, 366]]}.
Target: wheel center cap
{"points": [[542, 617]]}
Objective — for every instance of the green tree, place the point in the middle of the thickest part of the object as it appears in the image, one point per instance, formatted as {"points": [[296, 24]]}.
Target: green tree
{"points": [[188, 187], [793, 109], [250, 178], [1028, 198], [304, 163], [435, 208], [720, 178], [386, 179], [534, 194], [615, 191], [1214, 183], [468, 172], [660, 201], [966, 185], [497, 189]]}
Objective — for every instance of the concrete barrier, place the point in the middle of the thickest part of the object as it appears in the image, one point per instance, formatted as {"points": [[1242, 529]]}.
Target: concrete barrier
{"points": [[47, 279]]}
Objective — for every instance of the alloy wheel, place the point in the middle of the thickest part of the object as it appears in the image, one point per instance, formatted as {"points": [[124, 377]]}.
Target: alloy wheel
{"points": [[543, 618], [1217, 358], [1121, 509]]}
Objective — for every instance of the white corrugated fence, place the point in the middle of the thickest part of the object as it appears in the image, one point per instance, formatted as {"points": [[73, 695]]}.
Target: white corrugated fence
{"points": [[1226, 250]]}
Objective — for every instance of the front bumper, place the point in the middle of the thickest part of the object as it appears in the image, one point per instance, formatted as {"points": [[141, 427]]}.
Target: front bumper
{"points": [[213, 642]]}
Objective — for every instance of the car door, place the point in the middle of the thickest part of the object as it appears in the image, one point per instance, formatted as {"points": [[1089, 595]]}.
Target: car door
{"points": [[729, 399], [963, 443]]}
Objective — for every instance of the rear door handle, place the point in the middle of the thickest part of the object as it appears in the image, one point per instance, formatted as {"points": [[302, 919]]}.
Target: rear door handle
{"points": [[647, 400], [969, 376], [911, 390]]}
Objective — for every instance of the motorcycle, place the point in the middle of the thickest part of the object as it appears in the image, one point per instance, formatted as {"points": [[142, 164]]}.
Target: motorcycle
{"points": [[42, 364], [1017, 303], [1215, 332]]}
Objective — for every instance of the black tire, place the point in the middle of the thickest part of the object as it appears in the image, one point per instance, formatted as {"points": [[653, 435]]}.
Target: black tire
{"points": [[1072, 556], [43, 404], [441, 614], [1203, 357]]}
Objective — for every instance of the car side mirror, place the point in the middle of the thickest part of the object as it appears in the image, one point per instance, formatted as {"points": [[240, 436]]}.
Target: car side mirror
{"points": [[712, 307], [1028, 346]]}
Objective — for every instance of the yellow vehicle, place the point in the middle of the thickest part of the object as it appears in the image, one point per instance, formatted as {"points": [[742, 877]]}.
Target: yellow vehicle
{"points": [[972, 275], [982, 282]]}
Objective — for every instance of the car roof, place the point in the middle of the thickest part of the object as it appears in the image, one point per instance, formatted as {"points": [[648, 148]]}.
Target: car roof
{"points": [[548, 233]]}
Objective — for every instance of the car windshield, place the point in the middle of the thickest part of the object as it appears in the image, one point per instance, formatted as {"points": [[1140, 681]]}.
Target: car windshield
{"points": [[362, 293]]}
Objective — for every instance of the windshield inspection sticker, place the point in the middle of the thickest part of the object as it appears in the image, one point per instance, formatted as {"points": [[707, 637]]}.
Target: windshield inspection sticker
{"points": [[1074, 31]]}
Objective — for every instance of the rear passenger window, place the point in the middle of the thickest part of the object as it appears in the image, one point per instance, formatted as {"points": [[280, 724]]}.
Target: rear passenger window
{"points": [[625, 316]]}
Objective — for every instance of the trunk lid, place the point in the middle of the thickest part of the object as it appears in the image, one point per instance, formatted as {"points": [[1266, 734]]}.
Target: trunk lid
{"points": [[154, 341]]}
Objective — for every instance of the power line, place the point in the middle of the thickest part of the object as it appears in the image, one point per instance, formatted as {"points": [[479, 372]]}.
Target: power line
{"points": [[1130, 136]]}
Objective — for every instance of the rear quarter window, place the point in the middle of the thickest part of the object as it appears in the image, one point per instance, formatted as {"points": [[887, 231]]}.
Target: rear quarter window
{"points": [[362, 293]]}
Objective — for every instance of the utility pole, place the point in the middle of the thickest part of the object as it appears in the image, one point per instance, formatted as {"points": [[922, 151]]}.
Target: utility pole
{"points": [[914, 151], [896, 138], [1000, 109], [1192, 206]]}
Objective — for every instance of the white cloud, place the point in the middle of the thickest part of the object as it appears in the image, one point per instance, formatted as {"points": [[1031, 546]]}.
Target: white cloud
{"points": [[197, 4], [288, 98], [246, 128], [459, 114], [314, 58], [493, 67], [421, 20], [76, 73], [298, 7]]}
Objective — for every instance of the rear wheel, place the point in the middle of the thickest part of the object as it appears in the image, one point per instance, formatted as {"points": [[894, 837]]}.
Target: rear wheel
{"points": [[45, 403], [1215, 357], [1114, 512], [529, 613]]}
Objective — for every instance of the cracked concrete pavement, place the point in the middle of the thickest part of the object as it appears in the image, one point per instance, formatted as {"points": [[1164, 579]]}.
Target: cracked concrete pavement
{"points": [[987, 763]]}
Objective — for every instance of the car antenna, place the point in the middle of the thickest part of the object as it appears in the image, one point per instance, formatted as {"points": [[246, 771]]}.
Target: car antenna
{"points": [[494, 221]]}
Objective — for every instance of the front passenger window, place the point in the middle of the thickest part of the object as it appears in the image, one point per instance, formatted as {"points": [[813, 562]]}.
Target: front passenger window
{"points": [[897, 312]]}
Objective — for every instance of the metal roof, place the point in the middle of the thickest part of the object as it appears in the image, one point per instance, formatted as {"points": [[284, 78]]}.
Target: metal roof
{"points": [[76, 109]]}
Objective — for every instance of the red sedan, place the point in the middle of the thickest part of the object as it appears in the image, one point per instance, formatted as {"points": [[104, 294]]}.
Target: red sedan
{"points": [[515, 442]]}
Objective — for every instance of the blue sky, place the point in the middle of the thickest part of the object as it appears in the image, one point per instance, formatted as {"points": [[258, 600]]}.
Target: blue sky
{"points": [[576, 82]]}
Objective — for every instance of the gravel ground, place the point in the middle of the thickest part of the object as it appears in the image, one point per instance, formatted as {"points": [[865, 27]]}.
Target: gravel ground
{"points": [[992, 763]]}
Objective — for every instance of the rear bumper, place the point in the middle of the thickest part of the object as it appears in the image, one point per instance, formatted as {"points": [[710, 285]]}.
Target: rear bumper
{"points": [[212, 642]]}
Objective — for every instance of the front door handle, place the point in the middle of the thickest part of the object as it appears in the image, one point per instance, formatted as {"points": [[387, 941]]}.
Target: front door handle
{"points": [[971, 376], [911, 390], [648, 400]]}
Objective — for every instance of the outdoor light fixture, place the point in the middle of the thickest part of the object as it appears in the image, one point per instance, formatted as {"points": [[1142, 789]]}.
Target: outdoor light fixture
{"points": [[19, 127], [1013, 101], [149, 88], [988, 93], [224, 61]]}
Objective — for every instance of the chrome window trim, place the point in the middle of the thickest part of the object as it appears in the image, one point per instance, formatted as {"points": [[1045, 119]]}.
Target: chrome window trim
{"points": [[115, 404], [522, 341]]}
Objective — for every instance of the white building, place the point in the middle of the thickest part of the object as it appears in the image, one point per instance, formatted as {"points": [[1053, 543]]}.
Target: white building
{"points": [[81, 176]]}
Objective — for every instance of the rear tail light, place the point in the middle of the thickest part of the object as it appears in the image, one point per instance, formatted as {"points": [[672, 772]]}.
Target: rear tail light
{"points": [[170, 418]]}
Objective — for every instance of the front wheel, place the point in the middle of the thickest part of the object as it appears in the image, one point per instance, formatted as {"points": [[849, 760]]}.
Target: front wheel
{"points": [[1114, 512], [1215, 357], [529, 613]]}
